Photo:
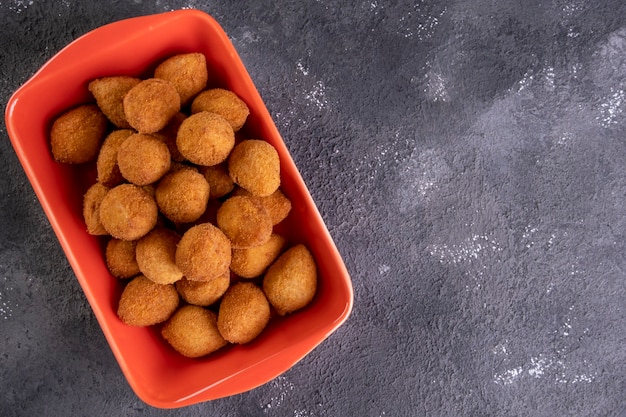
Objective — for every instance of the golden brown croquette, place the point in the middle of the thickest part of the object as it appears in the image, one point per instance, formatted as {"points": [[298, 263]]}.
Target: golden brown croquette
{"points": [[243, 313], [91, 208], [187, 72], [109, 93], [223, 102], [192, 332], [128, 212], [203, 253], [254, 165], [144, 302], [252, 262], [76, 135], [143, 159], [277, 204], [290, 282], [106, 165], [151, 104], [182, 195], [205, 139], [120, 258], [155, 254], [203, 293], [245, 221]]}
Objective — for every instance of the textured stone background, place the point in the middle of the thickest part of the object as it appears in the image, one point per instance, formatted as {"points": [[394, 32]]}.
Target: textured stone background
{"points": [[468, 158]]}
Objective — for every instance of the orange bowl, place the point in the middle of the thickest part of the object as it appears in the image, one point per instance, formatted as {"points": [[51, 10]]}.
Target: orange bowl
{"points": [[158, 375]]}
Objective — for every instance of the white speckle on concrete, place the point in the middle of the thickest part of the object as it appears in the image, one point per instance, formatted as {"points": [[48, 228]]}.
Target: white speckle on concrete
{"points": [[280, 388], [317, 96], [508, 377]]}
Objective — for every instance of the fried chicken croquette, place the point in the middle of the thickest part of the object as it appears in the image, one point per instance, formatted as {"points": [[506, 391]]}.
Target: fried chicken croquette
{"points": [[245, 221], [144, 302], [205, 139], [91, 209], [192, 332], [290, 282], [187, 72], [223, 102], [254, 165], [143, 159], [203, 253], [252, 262], [128, 212], [277, 204], [120, 258], [203, 293], [106, 165], [76, 135], [151, 104], [219, 181], [182, 195], [109, 93], [243, 313], [155, 254]]}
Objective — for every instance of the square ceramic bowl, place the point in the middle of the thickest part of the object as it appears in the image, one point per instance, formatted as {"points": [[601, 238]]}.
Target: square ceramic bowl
{"points": [[157, 374]]}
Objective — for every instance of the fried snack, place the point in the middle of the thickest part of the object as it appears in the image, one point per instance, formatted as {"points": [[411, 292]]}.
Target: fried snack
{"points": [[182, 195], [245, 221], [187, 72], [106, 165], [223, 102], [91, 209], [155, 254], [76, 135], [144, 303], [290, 282], [168, 135], [143, 159], [203, 293], [254, 165], [151, 104], [219, 181], [109, 93], [252, 262], [205, 139], [243, 314], [203, 253], [120, 258], [128, 212], [277, 204], [192, 332]]}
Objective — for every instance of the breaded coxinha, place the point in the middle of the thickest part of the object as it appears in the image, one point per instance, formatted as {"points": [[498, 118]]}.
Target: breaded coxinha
{"points": [[254, 165], [188, 73], [245, 221], [143, 159], [223, 102], [76, 135], [182, 195], [205, 139], [151, 104], [243, 313], [203, 253], [192, 331], [145, 303]]}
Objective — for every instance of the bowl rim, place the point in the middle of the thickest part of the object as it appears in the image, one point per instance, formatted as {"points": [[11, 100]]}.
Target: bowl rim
{"points": [[135, 26]]}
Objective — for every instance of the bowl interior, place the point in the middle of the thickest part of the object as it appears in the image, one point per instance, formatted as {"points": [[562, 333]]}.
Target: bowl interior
{"points": [[158, 375]]}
